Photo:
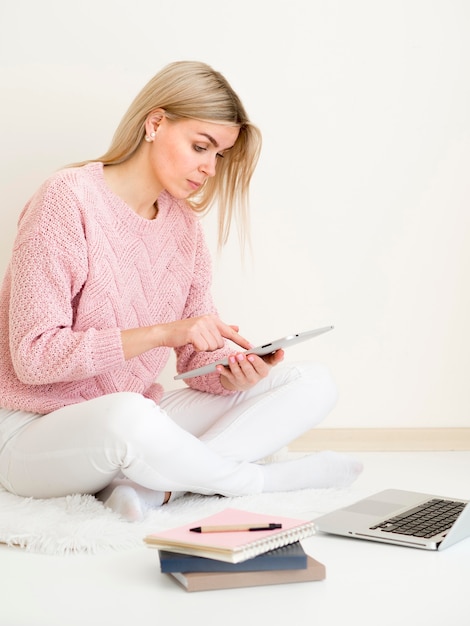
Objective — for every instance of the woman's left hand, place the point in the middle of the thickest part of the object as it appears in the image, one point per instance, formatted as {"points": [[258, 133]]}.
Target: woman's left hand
{"points": [[245, 370]]}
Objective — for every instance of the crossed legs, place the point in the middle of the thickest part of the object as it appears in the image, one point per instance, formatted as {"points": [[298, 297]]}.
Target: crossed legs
{"points": [[192, 442]]}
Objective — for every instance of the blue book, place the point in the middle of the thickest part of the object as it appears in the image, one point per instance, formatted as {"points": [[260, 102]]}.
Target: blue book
{"points": [[288, 557]]}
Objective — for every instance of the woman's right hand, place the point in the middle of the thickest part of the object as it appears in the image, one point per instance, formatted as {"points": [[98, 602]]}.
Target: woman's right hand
{"points": [[205, 333]]}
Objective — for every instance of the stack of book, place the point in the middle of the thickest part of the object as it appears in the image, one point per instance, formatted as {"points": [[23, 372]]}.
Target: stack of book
{"points": [[236, 548]]}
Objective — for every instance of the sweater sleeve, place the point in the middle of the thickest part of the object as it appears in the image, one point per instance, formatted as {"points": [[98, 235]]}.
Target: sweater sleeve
{"points": [[200, 302], [48, 269]]}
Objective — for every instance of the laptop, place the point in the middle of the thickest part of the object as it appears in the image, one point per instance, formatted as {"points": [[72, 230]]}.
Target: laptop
{"points": [[403, 518]]}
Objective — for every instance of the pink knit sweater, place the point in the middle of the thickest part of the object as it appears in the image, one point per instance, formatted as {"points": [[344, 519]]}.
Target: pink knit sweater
{"points": [[85, 266]]}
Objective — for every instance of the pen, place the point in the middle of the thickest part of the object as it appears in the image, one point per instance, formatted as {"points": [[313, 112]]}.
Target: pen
{"points": [[235, 528]]}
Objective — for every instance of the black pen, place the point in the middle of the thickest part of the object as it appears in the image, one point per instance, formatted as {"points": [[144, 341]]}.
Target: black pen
{"points": [[235, 528]]}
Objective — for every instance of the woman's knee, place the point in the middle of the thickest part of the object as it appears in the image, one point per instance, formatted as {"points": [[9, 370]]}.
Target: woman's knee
{"points": [[126, 414], [320, 376], [317, 383]]}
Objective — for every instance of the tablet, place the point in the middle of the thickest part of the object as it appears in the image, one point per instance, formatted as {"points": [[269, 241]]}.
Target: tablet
{"points": [[266, 348]]}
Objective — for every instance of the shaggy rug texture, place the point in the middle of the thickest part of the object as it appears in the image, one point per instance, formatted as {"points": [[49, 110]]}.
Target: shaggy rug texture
{"points": [[81, 524]]}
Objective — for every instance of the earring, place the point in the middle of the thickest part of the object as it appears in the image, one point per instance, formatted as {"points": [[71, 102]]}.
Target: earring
{"points": [[151, 138]]}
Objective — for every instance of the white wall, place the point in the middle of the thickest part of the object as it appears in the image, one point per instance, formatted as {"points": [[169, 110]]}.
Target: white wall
{"points": [[360, 203]]}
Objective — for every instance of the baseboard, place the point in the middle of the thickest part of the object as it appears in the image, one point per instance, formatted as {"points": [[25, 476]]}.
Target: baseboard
{"points": [[386, 439]]}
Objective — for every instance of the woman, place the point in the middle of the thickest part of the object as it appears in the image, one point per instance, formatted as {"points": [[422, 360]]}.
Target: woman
{"points": [[109, 271]]}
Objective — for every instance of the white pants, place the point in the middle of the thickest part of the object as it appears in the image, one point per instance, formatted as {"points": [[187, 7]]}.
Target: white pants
{"points": [[192, 441]]}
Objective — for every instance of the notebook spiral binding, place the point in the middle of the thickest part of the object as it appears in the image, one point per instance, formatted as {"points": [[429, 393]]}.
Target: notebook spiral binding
{"points": [[282, 539]]}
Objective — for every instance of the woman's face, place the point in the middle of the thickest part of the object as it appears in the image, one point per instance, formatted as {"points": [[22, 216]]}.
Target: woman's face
{"points": [[184, 153]]}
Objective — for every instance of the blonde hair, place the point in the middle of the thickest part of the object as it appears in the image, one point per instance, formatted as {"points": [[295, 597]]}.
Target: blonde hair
{"points": [[190, 89]]}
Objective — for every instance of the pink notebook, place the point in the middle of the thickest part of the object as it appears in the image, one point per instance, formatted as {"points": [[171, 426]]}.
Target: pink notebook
{"points": [[232, 546]]}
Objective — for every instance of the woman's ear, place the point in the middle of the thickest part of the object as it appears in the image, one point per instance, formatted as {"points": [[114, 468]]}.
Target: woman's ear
{"points": [[153, 121]]}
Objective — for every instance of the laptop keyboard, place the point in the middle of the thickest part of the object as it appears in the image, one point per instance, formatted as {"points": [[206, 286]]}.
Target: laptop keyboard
{"points": [[426, 520]]}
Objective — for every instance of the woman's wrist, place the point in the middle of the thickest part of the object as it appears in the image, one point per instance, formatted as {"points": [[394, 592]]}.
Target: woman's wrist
{"points": [[136, 341]]}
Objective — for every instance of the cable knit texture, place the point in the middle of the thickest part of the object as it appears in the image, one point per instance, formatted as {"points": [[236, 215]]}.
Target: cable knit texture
{"points": [[84, 267]]}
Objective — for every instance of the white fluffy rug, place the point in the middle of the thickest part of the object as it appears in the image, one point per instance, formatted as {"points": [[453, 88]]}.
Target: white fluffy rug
{"points": [[81, 524]]}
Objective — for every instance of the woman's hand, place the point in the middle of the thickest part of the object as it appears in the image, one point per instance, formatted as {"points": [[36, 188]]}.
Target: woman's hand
{"points": [[205, 333], [246, 370]]}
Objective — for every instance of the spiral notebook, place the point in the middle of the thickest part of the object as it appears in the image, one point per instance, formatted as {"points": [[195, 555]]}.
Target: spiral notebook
{"points": [[234, 546]]}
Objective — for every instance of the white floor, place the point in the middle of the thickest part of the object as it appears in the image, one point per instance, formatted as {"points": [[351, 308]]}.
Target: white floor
{"points": [[367, 584]]}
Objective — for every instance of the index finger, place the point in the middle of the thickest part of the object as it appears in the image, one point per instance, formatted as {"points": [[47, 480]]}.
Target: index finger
{"points": [[234, 336]]}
